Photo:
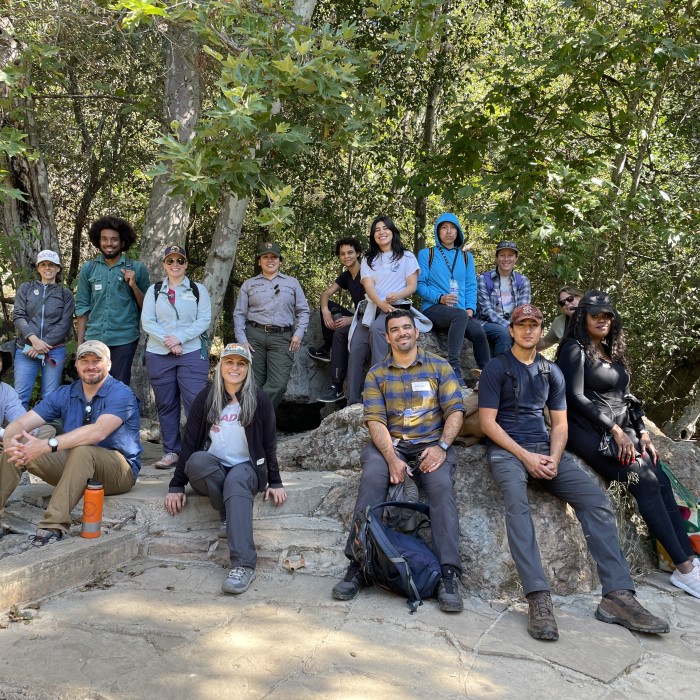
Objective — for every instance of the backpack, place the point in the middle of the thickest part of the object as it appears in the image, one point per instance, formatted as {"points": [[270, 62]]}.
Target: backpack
{"points": [[394, 560], [488, 281], [431, 255], [544, 369]]}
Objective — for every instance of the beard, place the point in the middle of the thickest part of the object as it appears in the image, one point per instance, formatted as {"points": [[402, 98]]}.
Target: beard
{"points": [[96, 379]]}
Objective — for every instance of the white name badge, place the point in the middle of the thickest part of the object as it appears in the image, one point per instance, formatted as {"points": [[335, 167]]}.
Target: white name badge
{"points": [[98, 287], [420, 386]]}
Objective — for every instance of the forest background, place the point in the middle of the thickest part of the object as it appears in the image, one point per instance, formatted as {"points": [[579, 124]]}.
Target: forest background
{"points": [[571, 127]]}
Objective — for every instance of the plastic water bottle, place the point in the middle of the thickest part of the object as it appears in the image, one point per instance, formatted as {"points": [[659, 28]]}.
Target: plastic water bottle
{"points": [[93, 498], [454, 286]]}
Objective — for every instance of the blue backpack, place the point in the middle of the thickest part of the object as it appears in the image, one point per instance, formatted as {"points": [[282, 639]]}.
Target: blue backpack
{"points": [[518, 278], [393, 560]]}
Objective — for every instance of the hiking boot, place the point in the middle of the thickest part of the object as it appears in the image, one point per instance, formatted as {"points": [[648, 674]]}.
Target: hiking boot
{"points": [[540, 620], [623, 608], [320, 354], [44, 537], [167, 461], [689, 582], [239, 579], [449, 598], [332, 395], [352, 582], [223, 533]]}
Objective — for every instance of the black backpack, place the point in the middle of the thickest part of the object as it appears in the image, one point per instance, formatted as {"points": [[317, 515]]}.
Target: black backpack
{"points": [[393, 560]]}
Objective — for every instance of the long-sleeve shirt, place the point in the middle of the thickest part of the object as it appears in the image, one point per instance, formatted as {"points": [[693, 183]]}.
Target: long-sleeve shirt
{"points": [[50, 321], [490, 305], [279, 301], [184, 317], [434, 279]]}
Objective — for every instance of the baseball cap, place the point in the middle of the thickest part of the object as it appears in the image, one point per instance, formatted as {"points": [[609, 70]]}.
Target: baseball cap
{"points": [[594, 302], [94, 347], [237, 349], [175, 249], [269, 247], [507, 245], [48, 256], [525, 311]]}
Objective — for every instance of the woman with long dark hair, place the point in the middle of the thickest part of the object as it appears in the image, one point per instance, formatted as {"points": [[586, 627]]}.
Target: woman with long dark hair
{"points": [[229, 455], [389, 274], [607, 431]]}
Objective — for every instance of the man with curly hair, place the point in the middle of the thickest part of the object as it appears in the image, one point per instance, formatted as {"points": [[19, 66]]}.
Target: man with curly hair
{"points": [[110, 294]]}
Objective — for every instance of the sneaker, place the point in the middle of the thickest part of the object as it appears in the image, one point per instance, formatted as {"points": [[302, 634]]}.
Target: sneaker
{"points": [[623, 608], [540, 619], [332, 395], [449, 599], [320, 354], [44, 537], [223, 533], [689, 582], [239, 580], [167, 461], [352, 582]]}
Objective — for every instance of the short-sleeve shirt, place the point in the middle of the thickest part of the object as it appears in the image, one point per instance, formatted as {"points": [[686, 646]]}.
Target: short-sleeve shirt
{"points": [[389, 276], [68, 403], [10, 406], [537, 390], [229, 443], [353, 284]]}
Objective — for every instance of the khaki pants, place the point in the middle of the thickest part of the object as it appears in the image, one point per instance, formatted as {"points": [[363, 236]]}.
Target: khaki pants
{"points": [[68, 471]]}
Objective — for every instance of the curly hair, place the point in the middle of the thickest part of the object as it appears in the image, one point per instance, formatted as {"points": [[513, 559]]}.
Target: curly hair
{"points": [[397, 248], [122, 227], [352, 242], [614, 341]]}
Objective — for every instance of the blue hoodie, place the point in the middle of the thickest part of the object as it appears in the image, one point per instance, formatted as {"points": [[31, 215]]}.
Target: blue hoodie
{"points": [[434, 280]]}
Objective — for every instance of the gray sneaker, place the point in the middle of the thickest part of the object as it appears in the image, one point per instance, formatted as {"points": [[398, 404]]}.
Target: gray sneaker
{"points": [[239, 580]]}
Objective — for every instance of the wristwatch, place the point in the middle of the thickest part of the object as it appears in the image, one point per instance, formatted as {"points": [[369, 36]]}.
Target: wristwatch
{"points": [[53, 444], [443, 445]]}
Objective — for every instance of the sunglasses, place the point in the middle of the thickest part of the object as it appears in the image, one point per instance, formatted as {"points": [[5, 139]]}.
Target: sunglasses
{"points": [[88, 414], [277, 289], [173, 261], [564, 302]]}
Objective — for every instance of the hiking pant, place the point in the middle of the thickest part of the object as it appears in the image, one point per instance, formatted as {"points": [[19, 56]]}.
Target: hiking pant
{"points": [[589, 502], [498, 337], [438, 486], [272, 361], [122, 357], [365, 342], [231, 491]]}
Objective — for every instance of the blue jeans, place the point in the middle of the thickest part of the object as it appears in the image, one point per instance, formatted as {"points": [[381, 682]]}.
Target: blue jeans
{"points": [[27, 369], [499, 338]]}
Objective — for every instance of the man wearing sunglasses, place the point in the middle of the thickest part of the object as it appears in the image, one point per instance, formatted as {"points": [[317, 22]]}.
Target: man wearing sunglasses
{"points": [[110, 294], [100, 441]]}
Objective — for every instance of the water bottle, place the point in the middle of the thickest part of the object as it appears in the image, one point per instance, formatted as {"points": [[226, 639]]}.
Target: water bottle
{"points": [[454, 286], [93, 498]]}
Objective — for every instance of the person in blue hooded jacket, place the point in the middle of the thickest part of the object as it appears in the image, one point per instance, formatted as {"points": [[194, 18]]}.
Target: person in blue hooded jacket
{"points": [[447, 286]]}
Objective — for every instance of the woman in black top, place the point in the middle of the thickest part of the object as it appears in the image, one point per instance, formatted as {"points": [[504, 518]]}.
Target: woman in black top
{"points": [[607, 431]]}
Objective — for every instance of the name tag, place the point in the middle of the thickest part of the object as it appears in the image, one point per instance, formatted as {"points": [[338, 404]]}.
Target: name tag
{"points": [[420, 386], [98, 287]]}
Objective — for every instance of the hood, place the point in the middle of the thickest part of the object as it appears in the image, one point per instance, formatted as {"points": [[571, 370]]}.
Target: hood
{"points": [[459, 241]]}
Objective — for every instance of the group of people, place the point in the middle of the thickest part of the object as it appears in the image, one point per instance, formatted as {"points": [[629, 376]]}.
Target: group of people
{"points": [[413, 404]]}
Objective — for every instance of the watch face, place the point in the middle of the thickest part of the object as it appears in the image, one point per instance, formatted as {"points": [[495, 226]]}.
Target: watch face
{"points": [[53, 443]]}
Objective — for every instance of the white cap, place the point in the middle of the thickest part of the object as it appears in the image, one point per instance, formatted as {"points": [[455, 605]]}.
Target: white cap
{"points": [[50, 256]]}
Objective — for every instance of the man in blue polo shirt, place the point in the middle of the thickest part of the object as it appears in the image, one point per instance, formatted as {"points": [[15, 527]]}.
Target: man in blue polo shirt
{"points": [[101, 441]]}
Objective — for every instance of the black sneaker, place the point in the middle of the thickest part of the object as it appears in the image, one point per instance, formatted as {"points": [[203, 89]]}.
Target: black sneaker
{"points": [[352, 582], [332, 395], [320, 354], [449, 599], [44, 537]]}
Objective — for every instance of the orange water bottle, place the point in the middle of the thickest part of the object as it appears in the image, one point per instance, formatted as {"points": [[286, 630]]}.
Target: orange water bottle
{"points": [[92, 509]]}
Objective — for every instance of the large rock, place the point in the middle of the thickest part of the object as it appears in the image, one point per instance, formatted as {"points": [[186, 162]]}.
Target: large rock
{"points": [[488, 566]]}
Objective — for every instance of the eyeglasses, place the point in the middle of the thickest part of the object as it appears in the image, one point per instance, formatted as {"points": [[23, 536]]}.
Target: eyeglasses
{"points": [[175, 261], [564, 302], [88, 414]]}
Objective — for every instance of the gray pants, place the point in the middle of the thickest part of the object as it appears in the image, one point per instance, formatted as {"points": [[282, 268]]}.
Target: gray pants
{"points": [[365, 342], [438, 485], [592, 509], [230, 491]]}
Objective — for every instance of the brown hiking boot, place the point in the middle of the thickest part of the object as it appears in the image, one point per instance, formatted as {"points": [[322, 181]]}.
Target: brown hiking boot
{"points": [[540, 621], [623, 608]]}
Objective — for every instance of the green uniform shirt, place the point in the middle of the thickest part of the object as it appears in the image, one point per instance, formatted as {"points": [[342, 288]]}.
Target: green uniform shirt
{"points": [[107, 300]]}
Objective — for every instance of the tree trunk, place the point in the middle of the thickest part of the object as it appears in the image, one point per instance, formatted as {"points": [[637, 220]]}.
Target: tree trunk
{"points": [[29, 224]]}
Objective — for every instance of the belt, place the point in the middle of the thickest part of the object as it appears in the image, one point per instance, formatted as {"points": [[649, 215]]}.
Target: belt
{"points": [[268, 328]]}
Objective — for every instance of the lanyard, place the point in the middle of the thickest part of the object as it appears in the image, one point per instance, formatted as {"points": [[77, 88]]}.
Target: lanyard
{"points": [[454, 262]]}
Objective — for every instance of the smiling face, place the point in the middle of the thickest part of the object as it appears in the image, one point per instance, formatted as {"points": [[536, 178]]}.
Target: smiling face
{"points": [[347, 255], [234, 370], [382, 236], [447, 233], [401, 334], [505, 260], [175, 266], [526, 334], [110, 243], [598, 325], [92, 369], [269, 264], [48, 271]]}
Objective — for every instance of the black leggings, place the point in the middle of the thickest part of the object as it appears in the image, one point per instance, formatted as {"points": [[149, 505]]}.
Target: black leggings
{"points": [[653, 492]]}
